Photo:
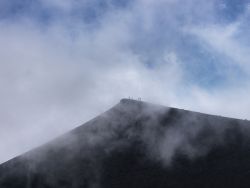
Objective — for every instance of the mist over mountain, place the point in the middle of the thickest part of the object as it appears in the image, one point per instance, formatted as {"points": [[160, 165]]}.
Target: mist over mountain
{"points": [[138, 144]]}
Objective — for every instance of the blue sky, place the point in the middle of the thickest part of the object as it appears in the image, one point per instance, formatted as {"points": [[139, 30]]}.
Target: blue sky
{"points": [[63, 62], [205, 67]]}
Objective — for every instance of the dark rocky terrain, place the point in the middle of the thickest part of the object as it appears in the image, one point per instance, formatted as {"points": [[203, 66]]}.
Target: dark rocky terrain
{"points": [[139, 145]]}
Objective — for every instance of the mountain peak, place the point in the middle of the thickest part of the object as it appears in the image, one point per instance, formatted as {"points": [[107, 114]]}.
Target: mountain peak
{"points": [[128, 100], [138, 144]]}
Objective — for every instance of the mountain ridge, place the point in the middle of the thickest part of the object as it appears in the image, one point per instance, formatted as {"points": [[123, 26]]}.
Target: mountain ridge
{"points": [[139, 144], [128, 101]]}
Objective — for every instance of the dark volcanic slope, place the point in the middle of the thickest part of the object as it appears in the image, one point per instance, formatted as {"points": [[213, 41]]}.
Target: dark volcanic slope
{"points": [[139, 145]]}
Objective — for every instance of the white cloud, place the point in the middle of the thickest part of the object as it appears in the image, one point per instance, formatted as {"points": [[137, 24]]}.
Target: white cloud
{"points": [[53, 78], [222, 39], [51, 84]]}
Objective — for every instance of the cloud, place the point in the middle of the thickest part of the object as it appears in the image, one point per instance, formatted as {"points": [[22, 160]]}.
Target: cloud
{"points": [[223, 40], [63, 62]]}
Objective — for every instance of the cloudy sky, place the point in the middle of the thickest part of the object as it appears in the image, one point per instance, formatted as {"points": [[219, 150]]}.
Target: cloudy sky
{"points": [[63, 62]]}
